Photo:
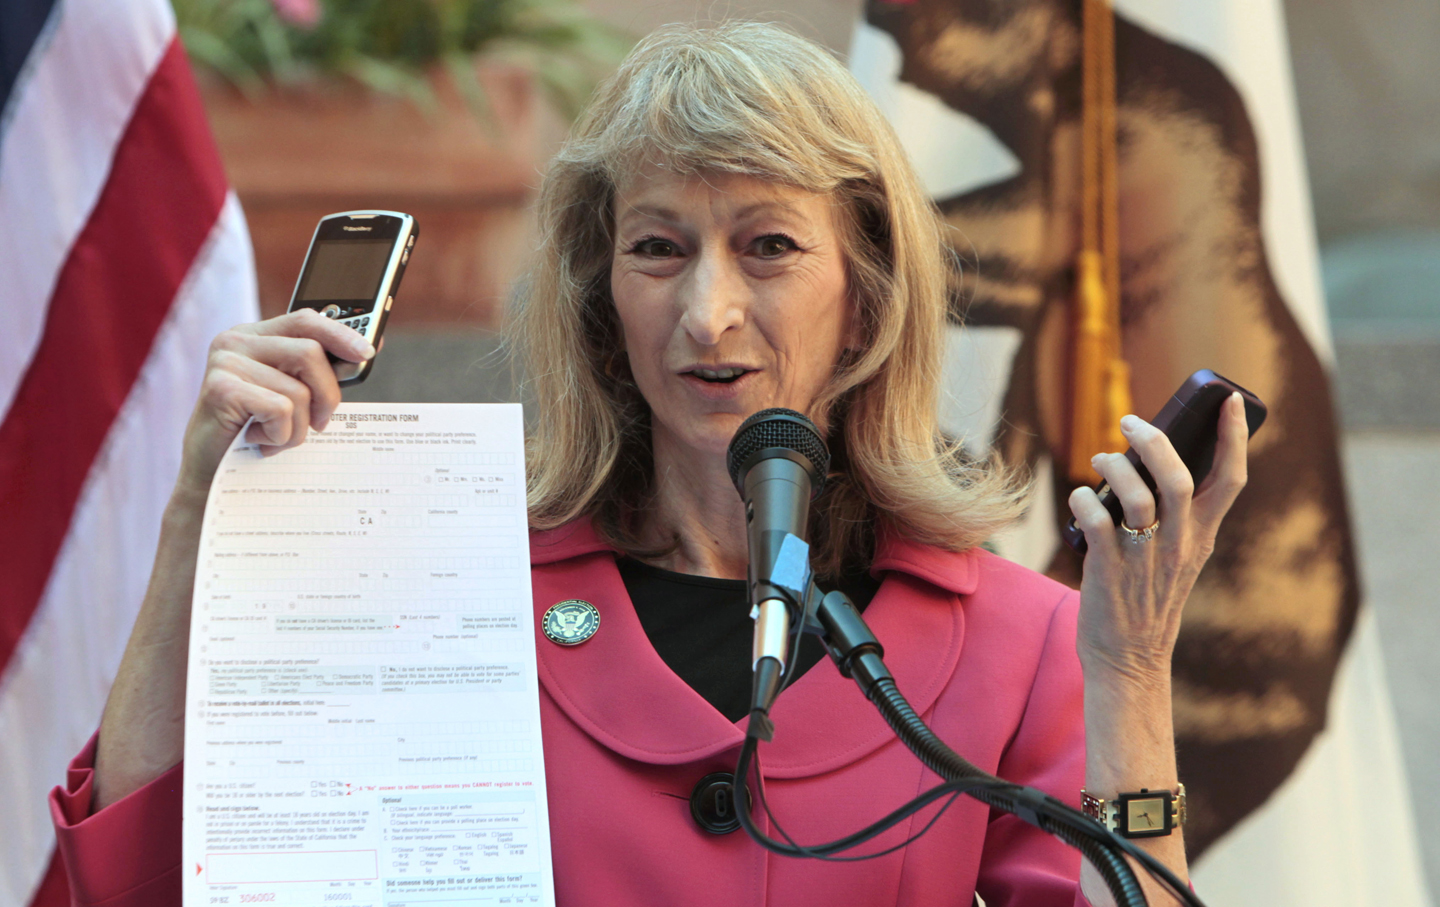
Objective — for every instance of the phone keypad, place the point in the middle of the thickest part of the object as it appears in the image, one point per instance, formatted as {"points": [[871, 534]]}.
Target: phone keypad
{"points": [[359, 324]]}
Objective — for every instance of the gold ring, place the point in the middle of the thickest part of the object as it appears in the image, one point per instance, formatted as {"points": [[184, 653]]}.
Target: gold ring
{"points": [[1141, 535]]}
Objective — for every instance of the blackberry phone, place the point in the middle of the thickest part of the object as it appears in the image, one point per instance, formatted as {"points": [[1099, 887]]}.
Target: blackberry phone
{"points": [[1190, 419], [352, 273]]}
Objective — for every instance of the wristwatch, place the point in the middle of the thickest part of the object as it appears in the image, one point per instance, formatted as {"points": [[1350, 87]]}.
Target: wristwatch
{"points": [[1140, 814]]}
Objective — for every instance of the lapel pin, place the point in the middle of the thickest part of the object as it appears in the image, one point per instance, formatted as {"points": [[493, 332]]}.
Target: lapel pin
{"points": [[570, 622]]}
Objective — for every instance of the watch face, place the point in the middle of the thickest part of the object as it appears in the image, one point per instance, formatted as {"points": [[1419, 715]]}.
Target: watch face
{"points": [[1146, 815]]}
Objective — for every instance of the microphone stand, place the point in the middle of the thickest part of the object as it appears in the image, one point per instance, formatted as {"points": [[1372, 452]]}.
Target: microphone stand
{"points": [[859, 656], [778, 461]]}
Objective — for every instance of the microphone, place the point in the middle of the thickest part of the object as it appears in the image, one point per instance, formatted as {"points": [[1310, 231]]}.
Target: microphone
{"points": [[778, 462]]}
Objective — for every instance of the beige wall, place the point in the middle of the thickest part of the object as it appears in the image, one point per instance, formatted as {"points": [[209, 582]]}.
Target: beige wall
{"points": [[828, 21], [1367, 73]]}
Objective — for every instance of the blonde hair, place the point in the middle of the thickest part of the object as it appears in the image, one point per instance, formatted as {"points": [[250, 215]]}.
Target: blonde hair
{"points": [[751, 99]]}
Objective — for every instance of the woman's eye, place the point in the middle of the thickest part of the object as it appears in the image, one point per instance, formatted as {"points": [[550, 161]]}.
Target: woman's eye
{"points": [[652, 247], [774, 245]]}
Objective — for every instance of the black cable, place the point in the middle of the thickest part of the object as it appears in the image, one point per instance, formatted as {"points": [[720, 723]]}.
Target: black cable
{"points": [[747, 754], [1094, 841], [802, 850], [742, 769], [1065, 814], [1042, 811], [858, 655], [797, 630]]}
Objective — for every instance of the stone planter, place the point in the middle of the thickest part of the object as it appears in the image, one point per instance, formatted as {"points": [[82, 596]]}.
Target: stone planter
{"points": [[297, 154]]}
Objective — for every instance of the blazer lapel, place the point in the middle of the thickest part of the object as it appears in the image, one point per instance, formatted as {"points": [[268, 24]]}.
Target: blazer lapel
{"points": [[618, 690], [614, 685], [823, 721]]}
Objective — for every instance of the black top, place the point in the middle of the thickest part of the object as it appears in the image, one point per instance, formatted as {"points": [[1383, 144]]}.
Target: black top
{"points": [[701, 628]]}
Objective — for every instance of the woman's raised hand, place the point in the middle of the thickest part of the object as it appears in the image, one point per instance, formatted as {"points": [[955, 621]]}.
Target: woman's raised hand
{"points": [[275, 371], [1134, 591]]}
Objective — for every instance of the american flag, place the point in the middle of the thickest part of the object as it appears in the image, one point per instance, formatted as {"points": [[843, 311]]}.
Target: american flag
{"points": [[122, 252]]}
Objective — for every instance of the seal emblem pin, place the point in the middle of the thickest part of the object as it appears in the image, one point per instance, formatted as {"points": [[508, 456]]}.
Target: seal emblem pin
{"points": [[570, 622]]}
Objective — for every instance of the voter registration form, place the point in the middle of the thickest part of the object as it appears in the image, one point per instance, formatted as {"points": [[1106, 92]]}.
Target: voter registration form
{"points": [[362, 715]]}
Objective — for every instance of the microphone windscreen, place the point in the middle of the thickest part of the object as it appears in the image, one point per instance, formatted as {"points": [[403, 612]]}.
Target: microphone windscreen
{"points": [[777, 432]]}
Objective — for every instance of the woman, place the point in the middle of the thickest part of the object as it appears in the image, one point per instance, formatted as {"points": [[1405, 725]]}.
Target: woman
{"points": [[733, 227]]}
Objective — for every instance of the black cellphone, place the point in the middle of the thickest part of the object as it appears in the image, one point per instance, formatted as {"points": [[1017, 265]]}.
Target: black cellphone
{"points": [[352, 273], [1190, 419]]}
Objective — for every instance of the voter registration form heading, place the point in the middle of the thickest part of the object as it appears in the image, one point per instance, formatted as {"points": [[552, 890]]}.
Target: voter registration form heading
{"points": [[362, 711]]}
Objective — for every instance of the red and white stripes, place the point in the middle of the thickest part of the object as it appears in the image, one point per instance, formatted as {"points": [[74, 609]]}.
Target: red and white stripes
{"points": [[68, 115], [123, 255]]}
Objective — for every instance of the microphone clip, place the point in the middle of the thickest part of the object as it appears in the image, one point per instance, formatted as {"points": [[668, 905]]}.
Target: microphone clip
{"points": [[792, 575], [788, 600]]}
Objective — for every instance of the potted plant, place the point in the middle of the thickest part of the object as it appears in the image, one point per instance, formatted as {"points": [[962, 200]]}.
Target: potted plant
{"points": [[445, 109]]}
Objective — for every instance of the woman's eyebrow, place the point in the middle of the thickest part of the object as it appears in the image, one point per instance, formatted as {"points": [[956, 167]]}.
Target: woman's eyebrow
{"points": [[652, 211], [643, 210], [772, 206]]}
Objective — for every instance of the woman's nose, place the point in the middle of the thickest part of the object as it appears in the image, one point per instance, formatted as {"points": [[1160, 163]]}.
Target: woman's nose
{"points": [[714, 298]]}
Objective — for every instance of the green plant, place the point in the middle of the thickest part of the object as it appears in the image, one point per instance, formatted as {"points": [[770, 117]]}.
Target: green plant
{"points": [[390, 45]]}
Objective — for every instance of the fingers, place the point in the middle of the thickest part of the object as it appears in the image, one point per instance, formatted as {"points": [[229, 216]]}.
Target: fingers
{"points": [[1173, 481], [278, 373], [1230, 471], [299, 358], [336, 338], [1095, 521], [1136, 499], [231, 400], [303, 399], [273, 424], [296, 344]]}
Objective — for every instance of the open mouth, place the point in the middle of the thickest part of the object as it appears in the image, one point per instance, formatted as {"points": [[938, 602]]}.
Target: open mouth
{"points": [[719, 375]]}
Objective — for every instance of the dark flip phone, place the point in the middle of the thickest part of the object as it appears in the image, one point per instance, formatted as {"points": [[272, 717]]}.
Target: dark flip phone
{"points": [[1190, 419]]}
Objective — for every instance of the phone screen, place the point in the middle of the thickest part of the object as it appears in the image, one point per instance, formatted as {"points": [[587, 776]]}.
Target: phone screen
{"points": [[347, 271]]}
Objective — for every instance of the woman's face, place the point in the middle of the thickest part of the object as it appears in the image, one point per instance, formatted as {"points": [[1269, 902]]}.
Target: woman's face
{"points": [[732, 295]]}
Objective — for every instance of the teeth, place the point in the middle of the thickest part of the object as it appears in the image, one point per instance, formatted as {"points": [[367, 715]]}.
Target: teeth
{"points": [[721, 374]]}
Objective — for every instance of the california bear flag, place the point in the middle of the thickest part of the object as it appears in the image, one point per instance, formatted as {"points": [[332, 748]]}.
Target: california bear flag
{"points": [[1140, 169]]}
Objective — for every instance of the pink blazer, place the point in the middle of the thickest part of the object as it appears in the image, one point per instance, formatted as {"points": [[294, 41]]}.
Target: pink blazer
{"points": [[984, 649]]}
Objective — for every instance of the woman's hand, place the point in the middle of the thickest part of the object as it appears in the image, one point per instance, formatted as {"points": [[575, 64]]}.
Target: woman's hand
{"points": [[1131, 599], [1133, 592], [275, 371]]}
